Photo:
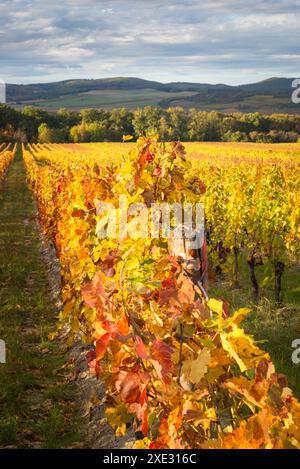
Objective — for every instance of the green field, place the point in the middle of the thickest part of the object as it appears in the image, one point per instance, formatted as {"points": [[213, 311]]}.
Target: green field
{"points": [[108, 99], [265, 104], [133, 99]]}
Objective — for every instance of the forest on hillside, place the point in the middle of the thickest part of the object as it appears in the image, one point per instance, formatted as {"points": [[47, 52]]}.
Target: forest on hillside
{"points": [[97, 125]]}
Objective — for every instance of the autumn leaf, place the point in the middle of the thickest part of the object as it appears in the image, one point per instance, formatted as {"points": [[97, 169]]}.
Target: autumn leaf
{"points": [[145, 425], [99, 330], [237, 316], [101, 346], [142, 444], [149, 156], [94, 293], [242, 349], [216, 306], [255, 392], [128, 386], [161, 354], [168, 291], [219, 307], [123, 326], [194, 370], [157, 172], [127, 138], [108, 265], [141, 349], [78, 213], [118, 417]]}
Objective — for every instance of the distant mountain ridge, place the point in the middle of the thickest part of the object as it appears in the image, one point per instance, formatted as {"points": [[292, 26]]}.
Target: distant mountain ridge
{"points": [[270, 96]]}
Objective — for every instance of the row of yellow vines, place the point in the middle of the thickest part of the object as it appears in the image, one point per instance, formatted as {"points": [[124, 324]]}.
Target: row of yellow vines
{"points": [[176, 366], [252, 208], [6, 156]]}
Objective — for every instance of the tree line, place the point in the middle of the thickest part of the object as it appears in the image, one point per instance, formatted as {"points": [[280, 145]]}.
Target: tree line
{"points": [[95, 125]]}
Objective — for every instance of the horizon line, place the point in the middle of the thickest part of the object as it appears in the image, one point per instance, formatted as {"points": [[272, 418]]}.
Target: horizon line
{"points": [[150, 80]]}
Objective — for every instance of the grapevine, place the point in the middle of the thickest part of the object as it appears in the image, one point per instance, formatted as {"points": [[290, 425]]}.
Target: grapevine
{"points": [[177, 366]]}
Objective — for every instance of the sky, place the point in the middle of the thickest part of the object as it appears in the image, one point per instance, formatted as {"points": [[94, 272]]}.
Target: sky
{"points": [[218, 41]]}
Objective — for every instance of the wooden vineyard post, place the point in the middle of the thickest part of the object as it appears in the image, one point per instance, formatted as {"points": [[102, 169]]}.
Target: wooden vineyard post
{"points": [[187, 245]]}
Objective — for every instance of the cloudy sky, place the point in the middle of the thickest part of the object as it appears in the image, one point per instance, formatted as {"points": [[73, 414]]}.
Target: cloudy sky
{"points": [[224, 41]]}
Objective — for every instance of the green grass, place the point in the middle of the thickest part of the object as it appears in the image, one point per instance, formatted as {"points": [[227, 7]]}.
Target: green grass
{"points": [[36, 397], [275, 328], [110, 99]]}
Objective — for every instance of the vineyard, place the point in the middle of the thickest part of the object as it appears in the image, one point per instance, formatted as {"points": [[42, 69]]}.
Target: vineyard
{"points": [[177, 364], [7, 154]]}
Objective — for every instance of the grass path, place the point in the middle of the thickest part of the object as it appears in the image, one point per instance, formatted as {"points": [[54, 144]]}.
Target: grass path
{"points": [[36, 394]]}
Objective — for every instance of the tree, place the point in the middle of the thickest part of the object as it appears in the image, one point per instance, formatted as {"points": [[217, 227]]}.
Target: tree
{"points": [[205, 126], [88, 116], [147, 120], [120, 123], [79, 133], [48, 135], [177, 119], [67, 118]]}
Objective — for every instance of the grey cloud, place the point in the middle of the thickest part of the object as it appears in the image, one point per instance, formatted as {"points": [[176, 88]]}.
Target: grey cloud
{"points": [[214, 41]]}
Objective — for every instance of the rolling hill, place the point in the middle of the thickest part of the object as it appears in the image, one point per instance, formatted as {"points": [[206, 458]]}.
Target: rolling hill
{"points": [[268, 96]]}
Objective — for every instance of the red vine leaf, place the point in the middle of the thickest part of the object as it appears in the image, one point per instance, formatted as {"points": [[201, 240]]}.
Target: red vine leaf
{"points": [[141, 349], [93, 293], [128, 386], [162, 356]]}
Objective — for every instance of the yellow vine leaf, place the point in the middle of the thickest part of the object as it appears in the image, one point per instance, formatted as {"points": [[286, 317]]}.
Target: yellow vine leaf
{"points": [[215, 305], [142, 444], [255, 393], [238, 316], [194, 370], [242, 349], [118, 417]]}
